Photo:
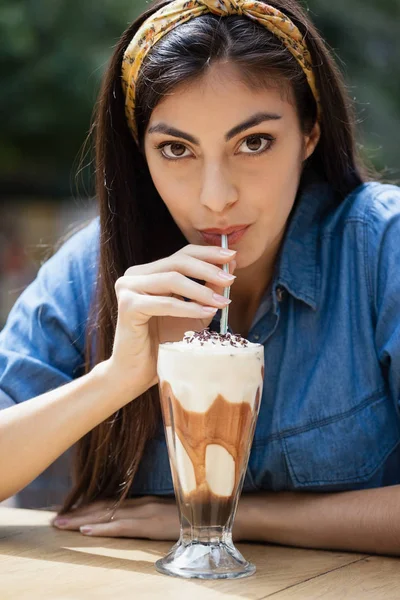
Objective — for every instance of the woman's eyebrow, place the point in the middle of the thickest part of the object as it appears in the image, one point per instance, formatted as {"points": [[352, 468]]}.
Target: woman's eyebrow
{"points": [[164, 128], [250, 122]]}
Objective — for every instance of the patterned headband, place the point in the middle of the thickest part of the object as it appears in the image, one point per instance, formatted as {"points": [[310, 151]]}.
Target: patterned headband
{"points": [[181, 11]]}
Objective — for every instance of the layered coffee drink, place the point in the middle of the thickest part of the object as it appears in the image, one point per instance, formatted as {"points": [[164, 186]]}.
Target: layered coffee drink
{"points": [[210, 390]]}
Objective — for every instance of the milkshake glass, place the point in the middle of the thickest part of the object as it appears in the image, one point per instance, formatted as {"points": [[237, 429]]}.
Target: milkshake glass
{"points": [[210, 391]]}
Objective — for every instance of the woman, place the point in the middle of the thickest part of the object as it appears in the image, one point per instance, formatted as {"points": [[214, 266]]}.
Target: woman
{"points": [[219, 116]]}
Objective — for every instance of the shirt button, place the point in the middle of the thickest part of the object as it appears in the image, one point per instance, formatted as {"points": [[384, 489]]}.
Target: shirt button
{"points": [[256, 337], [280, 293]]}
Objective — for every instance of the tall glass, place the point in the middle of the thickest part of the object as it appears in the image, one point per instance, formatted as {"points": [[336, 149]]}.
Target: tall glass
{"points": [[210, 397]]}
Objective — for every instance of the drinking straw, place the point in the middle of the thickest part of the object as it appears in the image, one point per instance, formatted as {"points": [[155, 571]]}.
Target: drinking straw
{"points": [[224, 316]]}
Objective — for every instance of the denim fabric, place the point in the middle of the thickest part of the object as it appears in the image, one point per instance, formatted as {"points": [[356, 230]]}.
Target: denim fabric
{"points": [[330, 325]]}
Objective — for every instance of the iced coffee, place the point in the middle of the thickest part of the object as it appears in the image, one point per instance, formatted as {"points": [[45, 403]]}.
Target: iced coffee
{"points": [[210, 391]]}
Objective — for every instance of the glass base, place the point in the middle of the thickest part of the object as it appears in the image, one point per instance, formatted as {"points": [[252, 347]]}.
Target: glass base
{"points": [[205, 560]]}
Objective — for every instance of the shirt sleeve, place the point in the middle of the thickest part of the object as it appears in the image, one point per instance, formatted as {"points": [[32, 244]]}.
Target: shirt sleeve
{"points": [[42, 343], [384, 255]]}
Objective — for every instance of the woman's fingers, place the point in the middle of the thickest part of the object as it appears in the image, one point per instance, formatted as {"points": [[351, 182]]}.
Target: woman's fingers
{"points": [[208, 253], [137, 309], [158, 289], [135, 528], [196, 266], [87, 509], [72, 522], [132, 528], [75, 522], [172, 283], [103, 519], [217, 288]]}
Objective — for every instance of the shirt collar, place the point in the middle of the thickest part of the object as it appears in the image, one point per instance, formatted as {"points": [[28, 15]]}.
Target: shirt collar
{"points": [[298, 268]]}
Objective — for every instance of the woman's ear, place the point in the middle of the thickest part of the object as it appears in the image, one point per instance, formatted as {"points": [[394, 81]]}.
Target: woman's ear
{"points": [[311, 140]]}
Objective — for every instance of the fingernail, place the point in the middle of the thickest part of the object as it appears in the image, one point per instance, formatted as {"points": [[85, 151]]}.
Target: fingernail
{"points": [[221, 299], [85, 530], [226, 276], [61, 522], [209, 309], [226, 252]]}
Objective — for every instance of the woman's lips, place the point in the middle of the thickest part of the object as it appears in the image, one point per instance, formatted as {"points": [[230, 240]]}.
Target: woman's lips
{"points": [[214, 239]]}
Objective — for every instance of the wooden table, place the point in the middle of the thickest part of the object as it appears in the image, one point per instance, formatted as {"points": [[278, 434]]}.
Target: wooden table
{"points": [[39, 562]]}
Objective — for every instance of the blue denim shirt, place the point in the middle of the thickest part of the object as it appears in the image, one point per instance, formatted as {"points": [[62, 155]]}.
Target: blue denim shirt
{"points": [[330, 325]]}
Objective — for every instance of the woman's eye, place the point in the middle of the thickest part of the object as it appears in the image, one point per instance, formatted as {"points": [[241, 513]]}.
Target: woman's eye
{"points": [[174, 150], [256, 144]]}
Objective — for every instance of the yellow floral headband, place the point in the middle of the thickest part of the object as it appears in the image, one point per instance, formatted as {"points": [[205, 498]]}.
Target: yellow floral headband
{"points": [[181, 11]]}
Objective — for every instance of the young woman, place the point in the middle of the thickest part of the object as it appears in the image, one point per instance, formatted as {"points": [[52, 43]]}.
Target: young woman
{"points": [[219, 116]]}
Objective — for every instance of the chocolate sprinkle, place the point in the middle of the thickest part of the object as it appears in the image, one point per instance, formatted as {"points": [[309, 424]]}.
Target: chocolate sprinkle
{"points": [[233, 339]]}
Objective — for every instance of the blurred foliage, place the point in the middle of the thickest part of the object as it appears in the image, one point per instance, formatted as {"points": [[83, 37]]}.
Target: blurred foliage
{"points": [[53, 54], [364, 38]]}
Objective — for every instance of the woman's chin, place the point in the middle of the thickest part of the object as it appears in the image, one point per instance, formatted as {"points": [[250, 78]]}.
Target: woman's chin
{"points": [[247, 258], [244, 259]]}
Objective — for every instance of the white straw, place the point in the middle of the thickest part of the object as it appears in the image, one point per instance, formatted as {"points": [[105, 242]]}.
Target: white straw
{"points": [[224, 316]]}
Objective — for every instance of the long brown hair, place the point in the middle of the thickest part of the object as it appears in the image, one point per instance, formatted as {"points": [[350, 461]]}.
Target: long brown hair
{"points": [[136, 227]]}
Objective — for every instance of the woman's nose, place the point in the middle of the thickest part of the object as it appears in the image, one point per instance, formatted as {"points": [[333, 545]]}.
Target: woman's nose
{"points": [[218, 190]]}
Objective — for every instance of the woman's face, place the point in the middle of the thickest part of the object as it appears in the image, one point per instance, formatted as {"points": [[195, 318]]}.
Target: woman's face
{"points": [[226, 158]]}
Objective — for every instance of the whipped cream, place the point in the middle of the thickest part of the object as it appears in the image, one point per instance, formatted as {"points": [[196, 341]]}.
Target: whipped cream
{"points": [[198, 371]]}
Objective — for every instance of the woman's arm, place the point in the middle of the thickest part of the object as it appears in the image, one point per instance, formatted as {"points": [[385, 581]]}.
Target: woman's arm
{"points": [[359, 521], [34, 433]]}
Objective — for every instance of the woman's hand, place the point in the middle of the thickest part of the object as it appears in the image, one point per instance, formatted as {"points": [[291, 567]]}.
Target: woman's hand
{"points": [[151, 308], [150, 517]]}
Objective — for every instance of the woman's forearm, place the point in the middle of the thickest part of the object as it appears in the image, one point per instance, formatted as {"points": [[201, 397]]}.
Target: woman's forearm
{"points": [[359, 521], [36, 432]]}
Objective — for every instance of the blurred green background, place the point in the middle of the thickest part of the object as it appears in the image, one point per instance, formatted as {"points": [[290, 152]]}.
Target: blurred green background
{"points": [[52, 56], [53, 53]]}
